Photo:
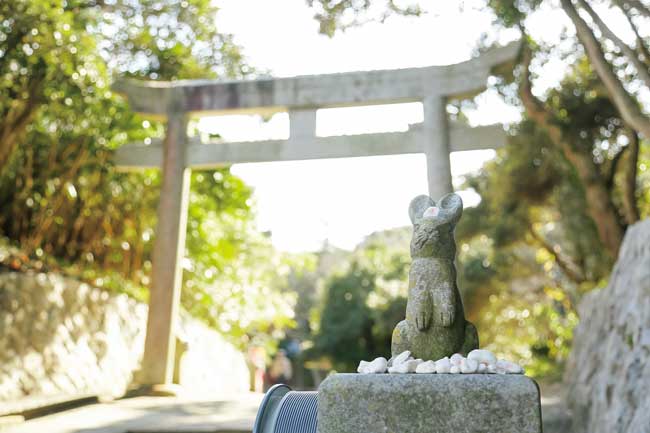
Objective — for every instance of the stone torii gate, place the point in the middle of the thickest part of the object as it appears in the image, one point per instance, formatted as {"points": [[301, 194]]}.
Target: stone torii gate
{"points": [[299, 96]]}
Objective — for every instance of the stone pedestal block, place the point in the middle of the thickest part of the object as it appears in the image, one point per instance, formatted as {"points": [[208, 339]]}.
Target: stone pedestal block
{"points": [[429, 403]]}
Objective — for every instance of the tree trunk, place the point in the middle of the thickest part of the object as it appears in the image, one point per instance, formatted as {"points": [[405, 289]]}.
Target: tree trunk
{"points": [[599, 204]]}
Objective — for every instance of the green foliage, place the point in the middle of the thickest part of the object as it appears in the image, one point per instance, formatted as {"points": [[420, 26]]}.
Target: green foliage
{"points": [[341, 14], [586, 114], [534, 252], [346, 321], [59, 193], [511, 13], [363, 301], [535, 329], [174, 39], [644, 181], [233, 278], [63, 201], [524, 176], [531, 248]]}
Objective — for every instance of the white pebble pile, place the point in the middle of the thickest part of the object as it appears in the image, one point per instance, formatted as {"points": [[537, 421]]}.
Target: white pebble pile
{"points": [[478, 361]]}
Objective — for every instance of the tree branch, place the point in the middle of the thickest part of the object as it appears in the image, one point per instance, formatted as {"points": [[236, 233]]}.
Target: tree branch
{"points": [[13, 124], [599, 202], [613, 167], [10, 134], [623, 101], [568, 268], [641, 68], [641, 46], [45, 220], [640, 7]]}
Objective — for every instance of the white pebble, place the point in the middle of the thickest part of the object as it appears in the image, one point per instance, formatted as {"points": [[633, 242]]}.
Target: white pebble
{"points": [[500, 368], [507, 367], [468, 366], [443, 365], [401, 358], [456, 358], [477, 361], [399, 369], [376, 366], [482, 356], [363, 366], [412, 364], [430, 212], [426, 367]]}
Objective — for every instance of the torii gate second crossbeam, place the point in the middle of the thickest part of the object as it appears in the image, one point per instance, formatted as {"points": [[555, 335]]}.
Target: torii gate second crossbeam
{"points": [[300, 97]]}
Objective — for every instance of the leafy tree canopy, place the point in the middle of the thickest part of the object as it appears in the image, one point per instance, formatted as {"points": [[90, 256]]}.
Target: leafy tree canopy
{"points": [[64, 202], [557, 199], [362, 301]]}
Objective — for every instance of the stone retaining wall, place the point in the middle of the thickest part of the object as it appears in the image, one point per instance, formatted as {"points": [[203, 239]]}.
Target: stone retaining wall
{"points": [[608, 372], [61, 336]]}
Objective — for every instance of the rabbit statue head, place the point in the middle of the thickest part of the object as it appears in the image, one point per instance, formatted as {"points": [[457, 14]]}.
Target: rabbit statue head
{"points": [[434, 224]]}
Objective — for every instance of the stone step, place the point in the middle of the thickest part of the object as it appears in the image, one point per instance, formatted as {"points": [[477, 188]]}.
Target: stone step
{"points": [[9, 420], [36, 406]]}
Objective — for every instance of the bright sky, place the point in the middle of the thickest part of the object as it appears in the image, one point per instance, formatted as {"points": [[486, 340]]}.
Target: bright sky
{"points": [[305, 202]]}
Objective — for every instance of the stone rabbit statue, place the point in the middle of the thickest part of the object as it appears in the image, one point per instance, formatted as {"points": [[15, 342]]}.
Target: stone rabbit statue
{"points": [[435, 324]]}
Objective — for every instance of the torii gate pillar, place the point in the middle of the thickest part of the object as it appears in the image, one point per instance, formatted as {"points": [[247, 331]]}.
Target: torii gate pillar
{"points": [[169, 244], [435, 142]]}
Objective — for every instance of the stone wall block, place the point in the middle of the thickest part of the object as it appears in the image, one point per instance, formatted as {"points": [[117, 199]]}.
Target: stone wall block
{"points": [[58, 335], [608, 373], [429, 403]]}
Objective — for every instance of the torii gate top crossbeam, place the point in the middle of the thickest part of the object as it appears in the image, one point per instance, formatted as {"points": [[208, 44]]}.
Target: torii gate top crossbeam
{"points": [[330, 90]]}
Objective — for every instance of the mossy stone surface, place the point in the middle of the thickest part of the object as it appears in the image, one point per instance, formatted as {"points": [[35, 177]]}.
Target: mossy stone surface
{"points": [[429, 403]]}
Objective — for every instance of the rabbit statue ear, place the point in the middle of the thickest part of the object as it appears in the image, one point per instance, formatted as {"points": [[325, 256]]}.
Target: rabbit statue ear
{"points": [[451, 208], [417, 207]]}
